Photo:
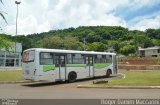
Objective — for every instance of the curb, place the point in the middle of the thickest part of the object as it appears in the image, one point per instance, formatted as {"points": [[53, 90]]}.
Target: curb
{"points": [[13, 82], [123, 76], [119, 87]]}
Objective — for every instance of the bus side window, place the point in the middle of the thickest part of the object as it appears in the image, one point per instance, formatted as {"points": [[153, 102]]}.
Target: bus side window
{"points": [[109, 59], [62, 63], [100, 59], [56, 61], [69, 59], [78, 59], [89, 60], [62, 60], [46, 58]]}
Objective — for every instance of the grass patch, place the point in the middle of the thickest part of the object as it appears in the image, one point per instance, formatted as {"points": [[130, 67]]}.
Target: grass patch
{"points": [[136, 79], [11, 75]]}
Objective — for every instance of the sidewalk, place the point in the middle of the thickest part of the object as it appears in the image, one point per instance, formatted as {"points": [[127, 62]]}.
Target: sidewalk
{"points": [[14, 82], [119, 87]]}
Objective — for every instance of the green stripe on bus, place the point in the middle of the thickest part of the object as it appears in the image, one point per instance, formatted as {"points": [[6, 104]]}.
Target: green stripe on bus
{"points": [[100, 66], [76, 65], [48, 68]]}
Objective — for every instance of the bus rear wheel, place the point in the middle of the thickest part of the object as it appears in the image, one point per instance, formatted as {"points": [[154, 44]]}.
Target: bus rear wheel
{"points": [[108, 73], [72, 77]]}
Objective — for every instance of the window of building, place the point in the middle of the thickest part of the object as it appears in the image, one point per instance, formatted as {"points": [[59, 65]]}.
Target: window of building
{"points": [[2, 54], [10, 55], [158, 50], [154, 51], [9, 62], [142, 53], [46, 58], [12, 59], [2, 62], [17, 62]]}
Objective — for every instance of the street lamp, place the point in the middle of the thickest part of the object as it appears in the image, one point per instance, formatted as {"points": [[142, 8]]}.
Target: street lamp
{"points": [[17, 3]]}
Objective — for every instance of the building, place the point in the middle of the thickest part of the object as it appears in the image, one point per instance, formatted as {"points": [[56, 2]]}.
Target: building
{"points": [[149, 52], [11, 58]]}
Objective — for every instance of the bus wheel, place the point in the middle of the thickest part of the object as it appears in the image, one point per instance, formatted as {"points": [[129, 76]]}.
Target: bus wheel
{"points": [[72, 77], [108, 73]]}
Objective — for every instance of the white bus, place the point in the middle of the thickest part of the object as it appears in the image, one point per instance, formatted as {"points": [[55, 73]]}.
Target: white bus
{"points": [[60, 65]]}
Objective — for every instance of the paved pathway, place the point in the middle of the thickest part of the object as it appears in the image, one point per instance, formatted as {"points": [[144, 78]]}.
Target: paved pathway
{"points": [[70, 91]]}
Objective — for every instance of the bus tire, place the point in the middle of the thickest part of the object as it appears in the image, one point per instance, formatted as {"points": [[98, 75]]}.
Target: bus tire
{"points": [[108, 73], [72, 77]]}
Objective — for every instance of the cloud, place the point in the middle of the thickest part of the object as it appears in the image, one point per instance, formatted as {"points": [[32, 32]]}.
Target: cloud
{"points": [[28, 25], [42, 15], [147, 23], [73, 13], [37, 16]]}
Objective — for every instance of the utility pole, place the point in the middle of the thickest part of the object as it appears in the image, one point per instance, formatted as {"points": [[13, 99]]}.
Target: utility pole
{"points": [[17, 3]]}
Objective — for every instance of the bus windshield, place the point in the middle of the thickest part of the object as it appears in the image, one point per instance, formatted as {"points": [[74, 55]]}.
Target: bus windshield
{"points": [[28, 56]]}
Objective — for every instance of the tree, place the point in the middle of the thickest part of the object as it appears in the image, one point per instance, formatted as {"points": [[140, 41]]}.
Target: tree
{"points": [[151, 33], [98, 38], [97, 46], [156, 42], [128, 49], [72, 43], [114, 44], [142, 41], [93, 37], [53, 42], [26, 42], [4, 43]]}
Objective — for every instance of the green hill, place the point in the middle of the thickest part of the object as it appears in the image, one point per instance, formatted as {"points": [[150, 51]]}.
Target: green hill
{"points": [[97, 38]]}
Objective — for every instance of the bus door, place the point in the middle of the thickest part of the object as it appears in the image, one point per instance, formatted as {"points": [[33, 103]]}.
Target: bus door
{"points": [[60, 63], [114, 61], [89, 63]]}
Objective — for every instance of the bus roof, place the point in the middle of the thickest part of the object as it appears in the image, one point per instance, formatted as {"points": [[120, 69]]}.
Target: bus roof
{"points": [[68, 51]]}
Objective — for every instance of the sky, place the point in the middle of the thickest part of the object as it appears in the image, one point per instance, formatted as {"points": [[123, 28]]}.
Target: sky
{"points": [[36, 16]]}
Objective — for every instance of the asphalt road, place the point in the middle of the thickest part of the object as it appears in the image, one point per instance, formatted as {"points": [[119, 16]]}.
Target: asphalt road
{"points": [[70, 91]]}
